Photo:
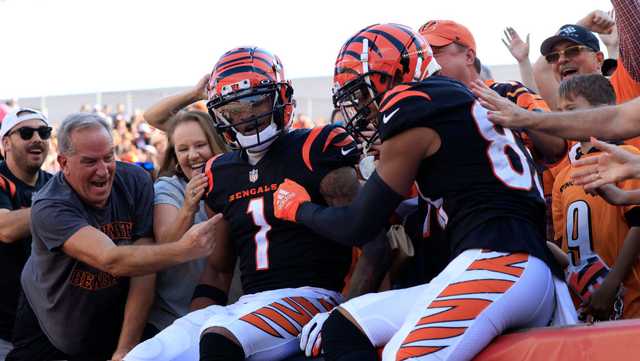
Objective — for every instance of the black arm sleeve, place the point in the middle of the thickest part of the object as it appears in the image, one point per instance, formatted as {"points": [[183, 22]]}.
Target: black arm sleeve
{"points": [[358, 222]]}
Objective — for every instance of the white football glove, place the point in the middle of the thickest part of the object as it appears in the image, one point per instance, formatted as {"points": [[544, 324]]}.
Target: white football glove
{"points": [[310, 336]]}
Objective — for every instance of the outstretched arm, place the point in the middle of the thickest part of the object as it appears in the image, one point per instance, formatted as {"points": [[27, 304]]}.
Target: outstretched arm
{"points": [[400, 158], [159, 113], [614, 164], [520, 51], [608, 122], [601, 302], [139, 302]]}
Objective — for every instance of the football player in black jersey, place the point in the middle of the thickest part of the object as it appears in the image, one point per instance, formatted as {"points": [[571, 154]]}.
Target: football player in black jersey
{"points": [[288, 272], [479, 178]]}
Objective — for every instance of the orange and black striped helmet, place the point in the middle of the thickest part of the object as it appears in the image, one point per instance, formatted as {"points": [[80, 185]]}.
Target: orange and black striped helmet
{"points": [[246, 76], [371, 62]]}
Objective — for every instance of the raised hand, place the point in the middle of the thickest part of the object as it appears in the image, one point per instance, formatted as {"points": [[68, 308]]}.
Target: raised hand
{"points": [[199, 91], [598, 21], [286, 200], [611, 40], [518, 48], [501, 111], [194, 191]]}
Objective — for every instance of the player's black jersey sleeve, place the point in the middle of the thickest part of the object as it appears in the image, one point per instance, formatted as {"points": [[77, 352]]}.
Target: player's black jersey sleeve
{"points": [[328, 148], [358, 222], [423, 104]]}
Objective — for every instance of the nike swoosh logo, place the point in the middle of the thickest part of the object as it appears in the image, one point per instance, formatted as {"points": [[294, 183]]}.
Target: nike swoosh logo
{"points": [[387, 117], [347, 151]]}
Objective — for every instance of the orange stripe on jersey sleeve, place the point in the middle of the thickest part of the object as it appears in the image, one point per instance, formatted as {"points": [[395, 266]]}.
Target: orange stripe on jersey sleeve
{"points": [[334, 133], [395, 90], [3, 183], [12, 189], [400, 96], [306, 147], [208, 172]]}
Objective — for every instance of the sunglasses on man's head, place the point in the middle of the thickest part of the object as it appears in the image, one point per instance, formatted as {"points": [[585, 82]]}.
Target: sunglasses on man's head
{"points": [[26, 133], [569, 53]]}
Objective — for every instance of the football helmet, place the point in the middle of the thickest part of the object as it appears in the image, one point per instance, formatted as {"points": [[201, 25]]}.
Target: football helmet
{"points": [[371, 62], [250, 100]]}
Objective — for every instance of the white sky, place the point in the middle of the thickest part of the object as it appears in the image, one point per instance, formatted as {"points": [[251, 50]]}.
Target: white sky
{"points": [[56, 47]]}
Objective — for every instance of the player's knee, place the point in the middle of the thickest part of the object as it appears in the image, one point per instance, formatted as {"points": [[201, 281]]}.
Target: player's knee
{"points": [[216, 347], [342, 340]]}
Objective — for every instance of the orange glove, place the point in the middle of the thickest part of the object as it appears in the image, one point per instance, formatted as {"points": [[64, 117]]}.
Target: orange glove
{"points": [[286, 200]]}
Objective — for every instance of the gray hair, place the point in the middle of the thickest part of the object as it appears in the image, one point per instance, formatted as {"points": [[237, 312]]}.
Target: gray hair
{"points": [[77, 121]]}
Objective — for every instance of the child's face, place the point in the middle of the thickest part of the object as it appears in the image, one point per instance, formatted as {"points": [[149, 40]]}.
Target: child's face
{"points": [[573, 103]]}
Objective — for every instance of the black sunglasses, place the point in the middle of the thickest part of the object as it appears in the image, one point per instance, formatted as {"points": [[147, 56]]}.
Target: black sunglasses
{"points": [[26, 133]]}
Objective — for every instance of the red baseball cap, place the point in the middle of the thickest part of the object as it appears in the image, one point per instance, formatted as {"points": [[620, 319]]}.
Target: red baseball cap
{"points": [[445, 32]]}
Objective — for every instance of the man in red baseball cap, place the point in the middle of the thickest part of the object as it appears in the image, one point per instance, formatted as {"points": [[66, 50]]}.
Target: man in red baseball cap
{"points": [[453, 47]]}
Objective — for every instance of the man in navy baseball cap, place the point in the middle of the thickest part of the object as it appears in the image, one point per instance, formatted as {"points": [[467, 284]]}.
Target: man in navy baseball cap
{"points": [[573, 50]]}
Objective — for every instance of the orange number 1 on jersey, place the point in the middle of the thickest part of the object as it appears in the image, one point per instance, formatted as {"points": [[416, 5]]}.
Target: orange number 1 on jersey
{"points": [[256, 208]]}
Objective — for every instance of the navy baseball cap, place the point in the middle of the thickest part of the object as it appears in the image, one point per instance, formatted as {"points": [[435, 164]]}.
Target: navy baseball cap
{"points": [[573, 33]]}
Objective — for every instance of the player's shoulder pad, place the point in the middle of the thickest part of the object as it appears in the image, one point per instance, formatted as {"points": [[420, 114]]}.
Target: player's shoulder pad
{"points": [[7, 186], [209, 167], [521, 95], [410, 105], [328, 143]]}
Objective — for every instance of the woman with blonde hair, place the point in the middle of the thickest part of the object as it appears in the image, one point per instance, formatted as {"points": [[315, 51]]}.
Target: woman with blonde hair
{"points": [[178, 205]]}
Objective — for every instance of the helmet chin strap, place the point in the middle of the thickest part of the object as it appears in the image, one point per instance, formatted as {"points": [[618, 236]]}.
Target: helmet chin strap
{"points": [[256, 145]]}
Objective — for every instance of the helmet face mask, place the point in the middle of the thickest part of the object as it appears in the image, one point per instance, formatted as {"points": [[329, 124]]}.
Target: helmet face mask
{"points": [[249, 100], [246, 116], [359, 104]]}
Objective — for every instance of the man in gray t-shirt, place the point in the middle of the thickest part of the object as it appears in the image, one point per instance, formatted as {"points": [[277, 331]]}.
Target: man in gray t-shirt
{"points": [[89, 282]]}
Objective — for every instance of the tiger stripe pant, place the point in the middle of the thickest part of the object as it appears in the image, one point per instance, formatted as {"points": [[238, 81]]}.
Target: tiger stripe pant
{"points": [[478, 296]]}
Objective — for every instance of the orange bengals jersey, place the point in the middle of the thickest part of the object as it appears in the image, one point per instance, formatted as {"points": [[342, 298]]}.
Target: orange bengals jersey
{"points": [[626, 88], [588, 225]]}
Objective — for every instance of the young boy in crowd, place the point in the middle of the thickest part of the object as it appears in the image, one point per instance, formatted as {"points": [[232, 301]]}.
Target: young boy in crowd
{"points": [[602, 240]]}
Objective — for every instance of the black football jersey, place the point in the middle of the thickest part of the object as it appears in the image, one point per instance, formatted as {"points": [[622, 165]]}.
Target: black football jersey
{"points": [[481, 172], [276, 254]]}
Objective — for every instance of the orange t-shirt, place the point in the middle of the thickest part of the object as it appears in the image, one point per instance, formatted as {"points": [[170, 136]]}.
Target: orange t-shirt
{"points": [[588, 224], [626, 88]]}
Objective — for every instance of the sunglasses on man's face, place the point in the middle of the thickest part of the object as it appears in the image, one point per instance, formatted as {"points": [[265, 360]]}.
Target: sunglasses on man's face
{"points": [[569, 53], [26, 133]]}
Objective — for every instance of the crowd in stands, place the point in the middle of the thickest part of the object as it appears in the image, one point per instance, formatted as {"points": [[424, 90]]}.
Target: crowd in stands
{"points": [[119, 233], [136, 141]]}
